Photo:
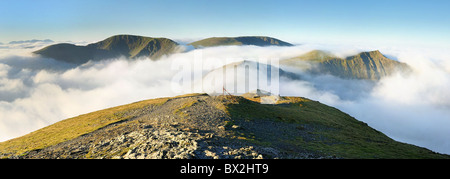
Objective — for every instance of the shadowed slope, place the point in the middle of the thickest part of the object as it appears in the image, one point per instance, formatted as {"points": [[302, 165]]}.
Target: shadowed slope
{"points": [[366, 65], [129, 46], [202, 126], [246, 40]]}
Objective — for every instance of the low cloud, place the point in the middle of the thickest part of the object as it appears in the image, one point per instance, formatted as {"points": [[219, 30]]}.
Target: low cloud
{"points": [[36, 92]]}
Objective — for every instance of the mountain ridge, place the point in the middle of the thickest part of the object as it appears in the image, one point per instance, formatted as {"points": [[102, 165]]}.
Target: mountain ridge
{"points": [[371, 65], [133, 46], [30, 41], [212, 127], [241, 40], [130, 46]]}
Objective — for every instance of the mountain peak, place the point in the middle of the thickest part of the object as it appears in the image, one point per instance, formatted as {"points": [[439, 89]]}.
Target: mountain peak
{"points": [[374, 53], [205, 127], [130, 46], [371, 65], [317, 55], [374, 56], [242, 40], [133, 46], [31, 41]]}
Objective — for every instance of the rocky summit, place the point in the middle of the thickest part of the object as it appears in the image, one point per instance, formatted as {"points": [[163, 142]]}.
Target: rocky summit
{"points": [[199, 126], [372, 65]]}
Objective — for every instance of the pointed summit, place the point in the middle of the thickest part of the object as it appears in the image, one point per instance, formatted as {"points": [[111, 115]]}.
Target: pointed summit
{"points": [[130, 46], [372, 54], [317, 55], [372, 65]]}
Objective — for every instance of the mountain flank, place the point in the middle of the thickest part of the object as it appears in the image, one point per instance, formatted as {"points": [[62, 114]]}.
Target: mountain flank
{"points": [[129, 46], [244, 40], [200, 126], [132, 46], [372, 65]]}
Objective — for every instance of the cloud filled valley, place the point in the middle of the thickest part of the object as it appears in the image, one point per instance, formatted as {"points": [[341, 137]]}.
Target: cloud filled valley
{"points": [[414, 108]]}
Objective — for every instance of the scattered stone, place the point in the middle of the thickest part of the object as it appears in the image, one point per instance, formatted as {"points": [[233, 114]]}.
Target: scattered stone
{"points": [[211, 154], [147, 126], [162, 136]]}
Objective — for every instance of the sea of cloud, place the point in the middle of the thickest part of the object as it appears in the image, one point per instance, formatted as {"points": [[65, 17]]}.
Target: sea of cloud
{"points": [[415, 108]]}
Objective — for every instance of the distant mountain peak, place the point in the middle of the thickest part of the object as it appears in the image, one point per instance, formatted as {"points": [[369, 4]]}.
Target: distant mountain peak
{"points": [[371, 65], [315, 55], [130, 46], [374, 53], [31, 41], [241, 40]]}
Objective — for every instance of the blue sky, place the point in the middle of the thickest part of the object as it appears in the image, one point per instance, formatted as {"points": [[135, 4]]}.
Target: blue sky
{"points": [[424, 22]]}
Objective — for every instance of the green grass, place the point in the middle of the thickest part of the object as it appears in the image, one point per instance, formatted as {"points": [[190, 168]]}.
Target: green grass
{"points": [[366, 65], [130, 46], [216, 41], [136, 46], [73, 127], [179, 111], [329, 130], [306, 125], [245, 40]]}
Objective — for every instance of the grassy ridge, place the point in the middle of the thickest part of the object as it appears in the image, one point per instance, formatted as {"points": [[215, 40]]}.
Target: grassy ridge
{"points": [[293, 126], [246, 40], [73, 127], [327, 130], [135, 46], [366, 65], [129, 46]]}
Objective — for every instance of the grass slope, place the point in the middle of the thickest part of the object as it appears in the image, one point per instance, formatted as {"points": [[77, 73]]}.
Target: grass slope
{"points": [[324, 129], [130, 46], [245, 40], [73, 127], [292, 127], [366, 65]]}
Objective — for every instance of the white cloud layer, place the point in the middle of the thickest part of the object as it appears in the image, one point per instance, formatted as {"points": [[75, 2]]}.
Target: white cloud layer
{"points": [[36, 92]]}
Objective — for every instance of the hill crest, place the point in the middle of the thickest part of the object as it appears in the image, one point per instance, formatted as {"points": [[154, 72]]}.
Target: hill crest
{"points": [[371, 65], [130, 46], [242, 40], [203, 126]]}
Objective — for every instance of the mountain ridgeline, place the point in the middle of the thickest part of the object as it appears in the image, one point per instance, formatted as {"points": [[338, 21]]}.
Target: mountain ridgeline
{"points": [[199, 126], [366, 65], [129, 46], [132, 46], [246, 40]]}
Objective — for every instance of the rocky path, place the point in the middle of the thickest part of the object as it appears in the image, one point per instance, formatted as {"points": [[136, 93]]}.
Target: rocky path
{"points": [[193, 127], [186, 128]]}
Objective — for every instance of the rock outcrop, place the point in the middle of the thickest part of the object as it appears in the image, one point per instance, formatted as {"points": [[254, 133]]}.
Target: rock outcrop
{"points": [[199, 126]]}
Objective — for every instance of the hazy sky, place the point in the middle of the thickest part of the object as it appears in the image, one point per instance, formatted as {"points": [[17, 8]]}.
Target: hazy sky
{"points": [[416, 22]]}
